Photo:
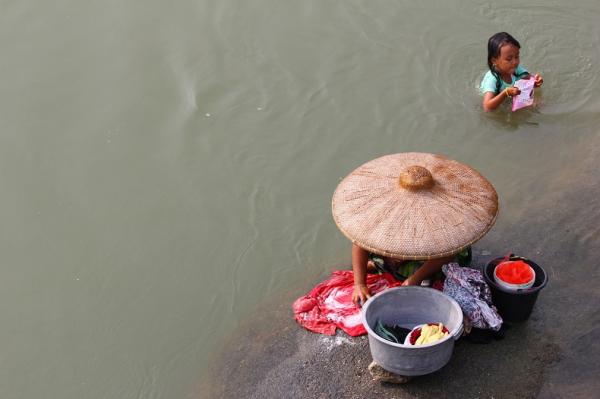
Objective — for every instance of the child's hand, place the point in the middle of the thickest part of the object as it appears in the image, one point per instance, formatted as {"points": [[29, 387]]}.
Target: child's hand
{"points": [[361, 294], [538, 80], [513, 91]]}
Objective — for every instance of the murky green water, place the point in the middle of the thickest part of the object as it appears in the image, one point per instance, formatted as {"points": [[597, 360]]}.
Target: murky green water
{"points": [[165, 169]]}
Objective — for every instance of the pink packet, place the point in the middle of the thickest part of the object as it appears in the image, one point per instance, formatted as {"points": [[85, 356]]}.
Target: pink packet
{"points": [[525, 98]]}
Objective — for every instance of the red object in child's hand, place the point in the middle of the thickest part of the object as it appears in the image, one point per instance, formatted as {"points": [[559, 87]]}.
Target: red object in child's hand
{"points": [[514, 272]]}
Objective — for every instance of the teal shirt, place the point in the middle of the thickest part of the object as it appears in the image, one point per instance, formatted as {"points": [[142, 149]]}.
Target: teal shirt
{"points": [[489, 81]]}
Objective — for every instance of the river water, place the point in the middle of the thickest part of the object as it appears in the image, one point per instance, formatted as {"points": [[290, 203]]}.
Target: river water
{"points": [[167, 168]]}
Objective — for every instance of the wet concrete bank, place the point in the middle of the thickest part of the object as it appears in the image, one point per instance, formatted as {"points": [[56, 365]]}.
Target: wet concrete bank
{"points": [[555, 354], [290, 362]]}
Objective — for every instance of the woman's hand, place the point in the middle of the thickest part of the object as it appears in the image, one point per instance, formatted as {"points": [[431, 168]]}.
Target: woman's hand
{"points": [[361, 294], [410, 281], [538, 80]]}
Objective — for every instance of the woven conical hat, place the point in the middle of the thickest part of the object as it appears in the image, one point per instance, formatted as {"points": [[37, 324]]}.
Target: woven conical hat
{"points": [[414, 206]]}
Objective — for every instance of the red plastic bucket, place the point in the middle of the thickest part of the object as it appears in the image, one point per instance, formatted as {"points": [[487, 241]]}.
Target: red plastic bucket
{"points": [[515, 306]]}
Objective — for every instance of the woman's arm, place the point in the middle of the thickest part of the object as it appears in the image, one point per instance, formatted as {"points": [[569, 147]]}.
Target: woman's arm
{"points": [[360, 257], [491, 101], [428, 268]]}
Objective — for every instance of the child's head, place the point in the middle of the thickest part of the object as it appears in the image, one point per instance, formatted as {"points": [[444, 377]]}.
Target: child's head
{"points": [[503, 53]]}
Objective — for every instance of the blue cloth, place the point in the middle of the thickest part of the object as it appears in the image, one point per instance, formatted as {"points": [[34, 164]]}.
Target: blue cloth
{"points": [[468, 287], [489, 81]]}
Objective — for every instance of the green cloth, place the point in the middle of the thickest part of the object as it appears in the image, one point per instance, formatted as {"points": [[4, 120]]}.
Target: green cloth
{"points": [[402, 270], [489, 81], [394, 333]]}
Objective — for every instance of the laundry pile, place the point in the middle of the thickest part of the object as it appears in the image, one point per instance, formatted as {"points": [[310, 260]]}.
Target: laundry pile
{"points": [[468, 287], [329, 305]]}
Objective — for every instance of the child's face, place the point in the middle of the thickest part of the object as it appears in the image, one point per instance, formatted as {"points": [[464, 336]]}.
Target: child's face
{"points": [[508, 60]]}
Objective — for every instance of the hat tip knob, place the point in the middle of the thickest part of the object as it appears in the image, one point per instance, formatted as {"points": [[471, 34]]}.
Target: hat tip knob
{"points": [[416, 178]]}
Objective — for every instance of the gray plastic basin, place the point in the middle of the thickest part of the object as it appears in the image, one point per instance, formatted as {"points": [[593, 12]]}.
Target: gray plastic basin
{"points": [[409, 307]]}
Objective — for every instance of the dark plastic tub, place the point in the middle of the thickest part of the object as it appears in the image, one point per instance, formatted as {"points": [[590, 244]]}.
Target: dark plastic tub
{"points": [[515, 306]]}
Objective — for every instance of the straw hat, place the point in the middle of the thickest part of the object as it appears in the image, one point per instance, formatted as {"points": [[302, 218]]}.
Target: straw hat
{"points": [[414, 206]]}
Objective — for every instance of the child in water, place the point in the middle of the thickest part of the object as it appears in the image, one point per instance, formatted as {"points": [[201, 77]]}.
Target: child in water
{"points": [[503, 61]]}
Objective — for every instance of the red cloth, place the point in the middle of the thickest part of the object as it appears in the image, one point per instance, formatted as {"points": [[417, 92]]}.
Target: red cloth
{"points": [[329, 305]]}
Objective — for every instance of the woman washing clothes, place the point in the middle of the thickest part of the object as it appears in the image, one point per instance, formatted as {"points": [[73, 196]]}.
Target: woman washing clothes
{"points": [[411, 206], [361, 264]]}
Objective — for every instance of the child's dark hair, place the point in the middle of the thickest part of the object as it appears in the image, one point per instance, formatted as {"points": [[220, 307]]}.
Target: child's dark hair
{"points": [[494, 45]]}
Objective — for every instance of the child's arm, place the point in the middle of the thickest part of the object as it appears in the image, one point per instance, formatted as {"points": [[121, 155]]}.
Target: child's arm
{"points": [[522, 73], [491, 101], [538, 78], [360, 257]]}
